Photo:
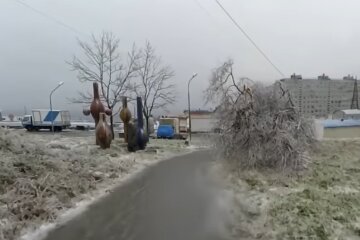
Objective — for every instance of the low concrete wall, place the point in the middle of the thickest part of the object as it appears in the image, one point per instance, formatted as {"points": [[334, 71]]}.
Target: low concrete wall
{"points": [[342, 132], [335, 129], [8, 124]]}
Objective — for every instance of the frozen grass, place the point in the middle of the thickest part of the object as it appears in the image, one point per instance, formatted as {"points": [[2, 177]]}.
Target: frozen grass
{"points": [[322, 202], [42, 175], [327, 203]]}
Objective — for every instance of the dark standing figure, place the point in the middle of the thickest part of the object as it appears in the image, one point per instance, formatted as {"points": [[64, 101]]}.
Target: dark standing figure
{"points": [[140, 136], [136, 138]]}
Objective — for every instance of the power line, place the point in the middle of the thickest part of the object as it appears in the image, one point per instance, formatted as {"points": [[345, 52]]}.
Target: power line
{"points": [[215, 24], [249, 38], [203, 9], [50, 18]]}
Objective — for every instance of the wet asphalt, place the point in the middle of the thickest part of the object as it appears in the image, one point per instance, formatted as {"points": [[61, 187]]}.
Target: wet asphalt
{"points": [[174, 200]]}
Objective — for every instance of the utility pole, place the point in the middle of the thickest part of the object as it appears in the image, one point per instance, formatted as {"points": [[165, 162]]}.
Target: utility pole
{"points": [[51, 113], [355, 98], [189, 110]]}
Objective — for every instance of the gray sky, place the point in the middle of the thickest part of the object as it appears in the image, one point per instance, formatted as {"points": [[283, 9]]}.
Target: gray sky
{"points": [[303, 36]]}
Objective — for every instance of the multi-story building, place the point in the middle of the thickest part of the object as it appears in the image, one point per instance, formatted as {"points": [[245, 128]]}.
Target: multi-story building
{"points": [[320, 97]]}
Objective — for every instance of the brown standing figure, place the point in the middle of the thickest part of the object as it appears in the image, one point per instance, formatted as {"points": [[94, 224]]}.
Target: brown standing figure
{"points": [[125, 116], [96, 107], [103, 132]]}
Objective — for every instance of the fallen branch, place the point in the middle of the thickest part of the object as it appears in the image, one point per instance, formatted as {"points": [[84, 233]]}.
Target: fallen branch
{"points": [[261, 129]]}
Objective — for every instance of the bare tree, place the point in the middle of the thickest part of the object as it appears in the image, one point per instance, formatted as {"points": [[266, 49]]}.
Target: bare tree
{"points": [[153, 82], [102, 63]]}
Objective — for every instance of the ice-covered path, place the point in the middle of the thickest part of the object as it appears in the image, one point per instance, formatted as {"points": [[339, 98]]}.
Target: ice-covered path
{"points": [[177, 199]]}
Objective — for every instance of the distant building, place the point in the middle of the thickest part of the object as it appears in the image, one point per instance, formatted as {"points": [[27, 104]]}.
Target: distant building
{"points": [[183, 124], [201, 120], [320, 97]]}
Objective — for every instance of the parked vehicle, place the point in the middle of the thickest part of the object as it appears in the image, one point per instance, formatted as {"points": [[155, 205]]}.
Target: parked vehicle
{"points": [[174, 122], [165, 131], [43, 119], [82, 125], [177, 126]]}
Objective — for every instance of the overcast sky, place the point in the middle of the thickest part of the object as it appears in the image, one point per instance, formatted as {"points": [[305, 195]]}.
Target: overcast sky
{"points": [[308, 37]]}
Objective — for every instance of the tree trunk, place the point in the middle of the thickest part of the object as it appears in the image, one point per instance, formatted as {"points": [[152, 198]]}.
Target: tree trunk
{"points": [[112, 126], [147, 123], [147, 126]]}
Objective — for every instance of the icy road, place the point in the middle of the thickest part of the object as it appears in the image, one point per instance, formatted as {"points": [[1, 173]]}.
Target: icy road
{"points": [[178, 199]]}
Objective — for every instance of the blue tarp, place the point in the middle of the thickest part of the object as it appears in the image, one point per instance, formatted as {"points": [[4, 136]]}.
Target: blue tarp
{"points": [[335, 123]]}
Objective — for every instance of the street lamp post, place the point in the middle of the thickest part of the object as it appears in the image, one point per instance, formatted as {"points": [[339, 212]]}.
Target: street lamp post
{"points": [[52, 119], [193, 76]]}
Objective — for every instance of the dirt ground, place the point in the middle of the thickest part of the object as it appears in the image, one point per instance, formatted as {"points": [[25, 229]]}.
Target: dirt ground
{"points": [[43, 175], [321, 202]]}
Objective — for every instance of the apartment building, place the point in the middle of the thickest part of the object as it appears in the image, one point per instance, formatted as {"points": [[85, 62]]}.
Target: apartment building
{"points": [[322, 96]]}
